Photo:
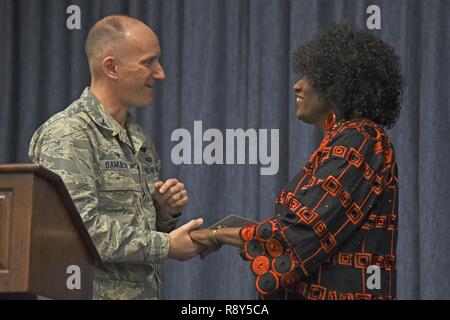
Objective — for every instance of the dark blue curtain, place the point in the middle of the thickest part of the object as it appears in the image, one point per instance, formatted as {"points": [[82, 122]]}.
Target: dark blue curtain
{"points": [[228, 64]]}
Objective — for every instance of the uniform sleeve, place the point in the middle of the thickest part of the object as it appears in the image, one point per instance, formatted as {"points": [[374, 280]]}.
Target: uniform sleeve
{"points": [[164, 221], [70, 156], [318, 212]]}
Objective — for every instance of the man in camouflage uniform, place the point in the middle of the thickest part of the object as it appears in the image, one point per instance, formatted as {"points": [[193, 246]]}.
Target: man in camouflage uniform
{"points": [[111, 168]]}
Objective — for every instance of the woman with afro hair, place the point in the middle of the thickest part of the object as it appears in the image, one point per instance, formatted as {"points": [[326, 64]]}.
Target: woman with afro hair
{"points": [[334, 231]]}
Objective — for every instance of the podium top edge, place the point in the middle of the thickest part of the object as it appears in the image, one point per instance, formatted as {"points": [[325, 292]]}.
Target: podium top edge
{"points": [[57, 182], [21, 168], [33, 169]]}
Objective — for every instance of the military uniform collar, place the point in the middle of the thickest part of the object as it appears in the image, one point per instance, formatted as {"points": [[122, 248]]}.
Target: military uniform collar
{"points": [[137, 135], [104, 119]]}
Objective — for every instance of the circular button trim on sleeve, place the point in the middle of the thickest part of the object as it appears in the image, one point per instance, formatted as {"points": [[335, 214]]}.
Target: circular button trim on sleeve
{"points": [[260, 265], [247, 233], [274, 247], [253, 248], [267, 283], [283, 264]]}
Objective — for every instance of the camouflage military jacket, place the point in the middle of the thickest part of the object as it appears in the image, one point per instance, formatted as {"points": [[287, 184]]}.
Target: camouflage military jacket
{"points": [[110, 173]]}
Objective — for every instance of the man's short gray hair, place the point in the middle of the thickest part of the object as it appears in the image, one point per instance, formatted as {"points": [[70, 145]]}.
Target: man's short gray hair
{"points": [[104, 36]]}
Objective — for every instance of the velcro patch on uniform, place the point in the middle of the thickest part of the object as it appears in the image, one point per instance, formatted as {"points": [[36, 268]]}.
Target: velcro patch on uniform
{"points": [[150, 170], [114, 165]]}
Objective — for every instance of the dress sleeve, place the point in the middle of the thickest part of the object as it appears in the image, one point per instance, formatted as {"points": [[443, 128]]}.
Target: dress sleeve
{"points": [[317, 211]]}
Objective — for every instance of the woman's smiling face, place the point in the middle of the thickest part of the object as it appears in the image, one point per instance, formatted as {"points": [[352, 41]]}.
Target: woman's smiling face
{"points": [[310, 107]]}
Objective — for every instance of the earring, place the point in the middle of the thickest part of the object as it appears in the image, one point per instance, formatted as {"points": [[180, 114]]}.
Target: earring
{"points": [[330, 121]]}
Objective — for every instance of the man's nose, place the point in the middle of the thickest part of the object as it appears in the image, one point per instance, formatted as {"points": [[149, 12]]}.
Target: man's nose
{"points": [[159, 73]]}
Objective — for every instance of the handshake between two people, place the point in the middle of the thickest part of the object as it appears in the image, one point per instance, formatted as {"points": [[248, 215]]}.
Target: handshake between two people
{"points": [[190, 240]]}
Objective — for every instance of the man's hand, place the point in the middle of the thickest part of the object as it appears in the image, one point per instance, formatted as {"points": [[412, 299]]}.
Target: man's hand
{"points": [[206, 238], [181, 245], [171, 196]]}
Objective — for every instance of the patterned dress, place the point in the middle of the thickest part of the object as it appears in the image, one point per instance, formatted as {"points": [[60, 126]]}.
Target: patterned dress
{"points": [[335, 228]]}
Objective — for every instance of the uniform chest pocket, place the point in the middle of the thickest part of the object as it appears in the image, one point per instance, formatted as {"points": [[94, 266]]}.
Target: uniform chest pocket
{"points": [[117, 191]]}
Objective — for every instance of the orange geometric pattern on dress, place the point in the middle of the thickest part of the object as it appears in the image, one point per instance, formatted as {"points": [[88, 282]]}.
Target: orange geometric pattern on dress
{"points": [[289, 281]]}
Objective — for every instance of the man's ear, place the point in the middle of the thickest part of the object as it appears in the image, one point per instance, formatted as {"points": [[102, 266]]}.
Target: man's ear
{"points": [[109, 67]]}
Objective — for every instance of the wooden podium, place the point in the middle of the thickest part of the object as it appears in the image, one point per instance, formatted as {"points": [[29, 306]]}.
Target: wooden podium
{"points": [[45, 250]]}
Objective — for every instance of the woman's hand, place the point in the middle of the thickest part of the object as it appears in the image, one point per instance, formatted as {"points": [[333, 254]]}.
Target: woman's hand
{"points": [[206, 238]]}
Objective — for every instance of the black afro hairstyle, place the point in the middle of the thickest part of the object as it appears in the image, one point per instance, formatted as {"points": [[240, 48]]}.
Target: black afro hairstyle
{"points": [[355, 71]]}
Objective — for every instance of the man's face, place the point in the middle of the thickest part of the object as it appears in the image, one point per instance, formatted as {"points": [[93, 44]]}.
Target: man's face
{"points": [[310, 108], [139, 69]]}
